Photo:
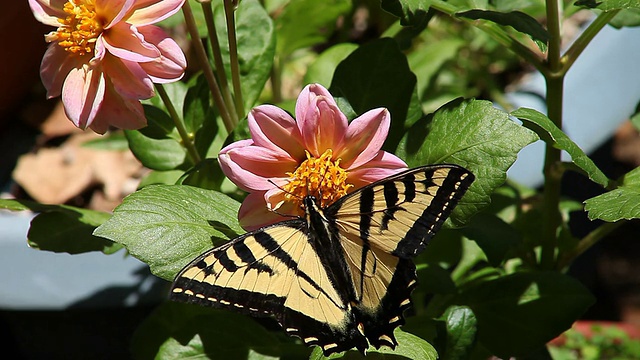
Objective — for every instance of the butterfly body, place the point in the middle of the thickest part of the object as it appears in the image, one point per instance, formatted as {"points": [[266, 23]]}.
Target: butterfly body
{"points": [[340, 277]]}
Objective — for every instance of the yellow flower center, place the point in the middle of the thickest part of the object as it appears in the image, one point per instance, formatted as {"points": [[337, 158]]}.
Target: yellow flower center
{"points": [[80, 29], [321, 177]]}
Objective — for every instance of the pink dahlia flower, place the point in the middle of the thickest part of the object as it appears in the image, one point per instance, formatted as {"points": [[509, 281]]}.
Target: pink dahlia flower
{"points": [[318, 153], [105, 56]]}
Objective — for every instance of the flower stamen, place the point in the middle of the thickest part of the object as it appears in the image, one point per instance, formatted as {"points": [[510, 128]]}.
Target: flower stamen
{"points": [[80, 29], [321, 177]]}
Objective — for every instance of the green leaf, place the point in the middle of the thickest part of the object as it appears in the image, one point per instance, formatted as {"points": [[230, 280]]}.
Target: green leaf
{"points": [[375, 75], [410, 12], [608, 5], [256, 39], [461, 328], [113, 141], [167, 226], [473, 134], [626, 18], [516, 19], [550, 133], [179, 331], [409, 346], [157, 146], [429, 59], [519, 312], [63, 228], [161, 177], [322, 69], [196, 106], [304, 23], [618, 204], [206, 175], [494, 236]]}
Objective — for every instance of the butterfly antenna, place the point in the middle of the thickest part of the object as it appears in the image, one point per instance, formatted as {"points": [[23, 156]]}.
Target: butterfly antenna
{"points": [[286, 192]]}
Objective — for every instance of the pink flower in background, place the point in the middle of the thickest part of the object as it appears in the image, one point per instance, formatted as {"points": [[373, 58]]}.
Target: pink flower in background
{"points": [[318, 153], [105, 56]]}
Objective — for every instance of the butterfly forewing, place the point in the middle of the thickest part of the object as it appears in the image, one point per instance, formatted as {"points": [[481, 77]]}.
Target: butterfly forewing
{"points": [[400, 214], [273, 271]]}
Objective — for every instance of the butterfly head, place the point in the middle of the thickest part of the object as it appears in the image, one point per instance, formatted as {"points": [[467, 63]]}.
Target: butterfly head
{"points": [[319, 177]]}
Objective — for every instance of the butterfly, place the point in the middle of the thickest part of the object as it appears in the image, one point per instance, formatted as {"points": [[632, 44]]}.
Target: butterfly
{"points": [[341, 276]]}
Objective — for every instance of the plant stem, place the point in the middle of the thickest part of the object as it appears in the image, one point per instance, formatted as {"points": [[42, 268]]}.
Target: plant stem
{"points": [[187, 140], [588, 241], [217, 58], [552, 171], [229, 11], [201, 54], [276, 80], [585, 38]]}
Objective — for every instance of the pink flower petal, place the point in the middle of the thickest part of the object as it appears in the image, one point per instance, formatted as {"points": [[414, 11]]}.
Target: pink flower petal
{"points": [[128, 78], [384, 164], [152, 11], [251, 167], [124, 41], [364, 138], [56, 65], [113, 11], [273, 128], [254, 213], [48, 11], [319, 119], [118, 111], [170, 66], [82, 95]]}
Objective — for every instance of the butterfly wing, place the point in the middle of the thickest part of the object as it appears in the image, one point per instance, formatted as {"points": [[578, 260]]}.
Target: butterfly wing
{"points": [[274, 271], [381, 227]]}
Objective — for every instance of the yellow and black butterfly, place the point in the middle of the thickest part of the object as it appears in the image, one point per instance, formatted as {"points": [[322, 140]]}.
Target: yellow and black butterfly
{"points": [[341, 276]]}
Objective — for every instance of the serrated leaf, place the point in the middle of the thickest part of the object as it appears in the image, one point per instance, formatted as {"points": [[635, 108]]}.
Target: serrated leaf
{"points": [[179, 331], [157, 146], [541, 305], [256, 39], [167, 226], [375, 75], [608, 5], [409, 346], [461, 327], [473, 134], [549, 132], [518, 20], [618, 204], [305, 23], [63, 228]]}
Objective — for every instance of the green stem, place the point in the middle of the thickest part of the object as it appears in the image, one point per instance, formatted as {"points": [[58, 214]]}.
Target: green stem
{"points": [[587, 242], [229, 11], [496, 33], [217, 58], [552, 169], [585, 38], [187, 140], [201, 55], [276, 80]]}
